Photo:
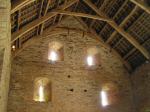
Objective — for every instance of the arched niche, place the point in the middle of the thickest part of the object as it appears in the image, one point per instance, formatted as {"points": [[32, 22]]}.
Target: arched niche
{"points": [[109, 94], [42, 90], [93, 56], [55, 51]]}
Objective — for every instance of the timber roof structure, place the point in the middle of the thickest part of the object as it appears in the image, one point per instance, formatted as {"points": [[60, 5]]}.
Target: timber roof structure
{"points": [[124, 25]]}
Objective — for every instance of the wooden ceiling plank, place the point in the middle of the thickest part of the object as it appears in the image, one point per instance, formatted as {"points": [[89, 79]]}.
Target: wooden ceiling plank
{"points": [[126, 35], [121, 25], [77, 14], [142, 5], [39, 21]]}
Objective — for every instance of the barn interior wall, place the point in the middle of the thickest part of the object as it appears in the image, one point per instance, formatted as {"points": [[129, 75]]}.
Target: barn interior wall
{"points": [[141, 88], [75, 87]]}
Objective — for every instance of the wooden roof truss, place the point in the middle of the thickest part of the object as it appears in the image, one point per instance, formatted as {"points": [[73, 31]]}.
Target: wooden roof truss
{"points": [[115, 22]]}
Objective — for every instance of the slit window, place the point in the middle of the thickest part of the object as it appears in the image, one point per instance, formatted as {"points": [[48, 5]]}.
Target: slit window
{"points": [[93, 57], [55, 51], [42, 90]]}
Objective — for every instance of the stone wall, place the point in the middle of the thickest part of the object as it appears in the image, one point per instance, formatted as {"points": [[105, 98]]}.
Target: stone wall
{"points": [[141, 88], [75, 88], [5, 52]]}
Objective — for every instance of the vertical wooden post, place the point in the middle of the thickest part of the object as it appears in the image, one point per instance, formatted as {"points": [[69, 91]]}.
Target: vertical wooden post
{"points": [[5, 44]]}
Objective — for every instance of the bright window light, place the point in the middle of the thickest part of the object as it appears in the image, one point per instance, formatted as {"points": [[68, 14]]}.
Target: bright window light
{"points": [[90, 61], [41, 94], [53, 56], [104, 98], [13, 47]]}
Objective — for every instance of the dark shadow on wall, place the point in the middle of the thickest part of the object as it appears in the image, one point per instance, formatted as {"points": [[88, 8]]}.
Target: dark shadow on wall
{"points": [[1, 61]]}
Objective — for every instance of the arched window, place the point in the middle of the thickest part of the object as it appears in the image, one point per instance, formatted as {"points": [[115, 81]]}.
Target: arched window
{"points": [[42, 90], [55, 51], [108, 94], [93, 56]]}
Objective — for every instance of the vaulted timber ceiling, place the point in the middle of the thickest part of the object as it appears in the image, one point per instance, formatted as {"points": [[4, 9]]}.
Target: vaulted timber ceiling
{"points": [[124, 25]]}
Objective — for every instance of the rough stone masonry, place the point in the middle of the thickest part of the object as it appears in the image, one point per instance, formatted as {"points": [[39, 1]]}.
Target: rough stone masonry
{"points": [[75, 88]]}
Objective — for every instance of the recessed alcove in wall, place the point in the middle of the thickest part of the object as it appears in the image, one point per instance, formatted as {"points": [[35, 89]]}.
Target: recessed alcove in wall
{"points": [[93, 56], [55, 51], [109, 94], [85, 90], [71, 90], [42, 89], [69, 76]]}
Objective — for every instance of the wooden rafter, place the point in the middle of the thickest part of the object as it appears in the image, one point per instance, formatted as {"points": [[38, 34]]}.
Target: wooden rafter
{"points": [[40, 14], [18, 4], [45, 12], [53, 30], [77, 14], [118, 11], [142, 5], [47, 6], [93, 21], [41, 7], [94, 34], [121, 25], [126, 35], [18, 19], [133, 50], [39, 21]]}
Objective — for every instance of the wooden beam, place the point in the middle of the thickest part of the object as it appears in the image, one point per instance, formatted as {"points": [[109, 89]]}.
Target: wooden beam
{"points": [[126, 35], [94, 34], [142, 5], [19, 4], [39, 21], [93, 21], [18, 19], [121, 25], [47, 6], [40, 30], [41, 7], [77, 14], [100, 8], [60, 18], [118, 11], [76, 6], [53, 30], [45, 12], [133, 50]]}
